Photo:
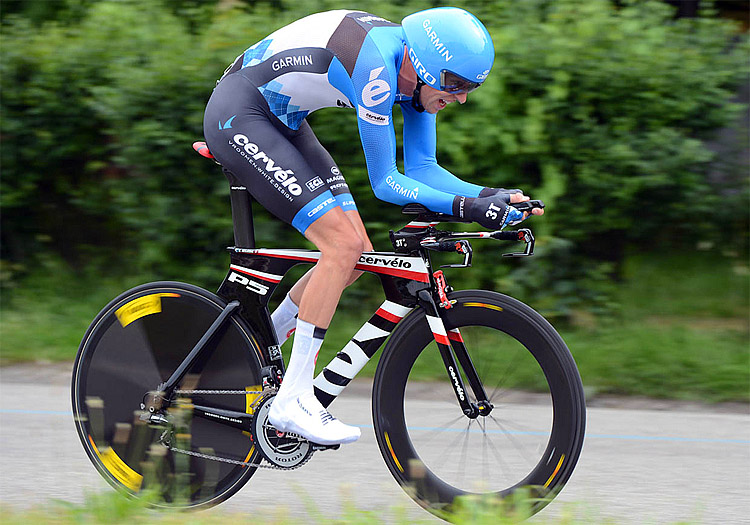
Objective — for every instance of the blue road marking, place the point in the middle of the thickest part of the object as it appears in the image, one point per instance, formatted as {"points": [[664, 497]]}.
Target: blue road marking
{"points": [[626, 437]]}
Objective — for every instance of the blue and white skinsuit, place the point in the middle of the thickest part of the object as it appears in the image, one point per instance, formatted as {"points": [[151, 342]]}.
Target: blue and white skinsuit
{"points": [[255, 120]]}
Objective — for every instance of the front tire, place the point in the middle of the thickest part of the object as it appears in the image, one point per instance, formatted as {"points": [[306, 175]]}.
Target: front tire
{"points": [[532, 437]]}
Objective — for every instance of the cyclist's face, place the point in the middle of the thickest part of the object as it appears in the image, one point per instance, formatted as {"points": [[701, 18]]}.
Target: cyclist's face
{"points": [[434, 100]]}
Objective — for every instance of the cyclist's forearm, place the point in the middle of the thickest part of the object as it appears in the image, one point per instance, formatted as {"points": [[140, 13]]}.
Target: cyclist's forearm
{"points": [[441, 179], [398, 189]]}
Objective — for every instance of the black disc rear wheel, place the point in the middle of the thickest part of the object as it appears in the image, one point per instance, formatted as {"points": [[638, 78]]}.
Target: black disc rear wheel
{"points": [[133, 345], [532, 436]]}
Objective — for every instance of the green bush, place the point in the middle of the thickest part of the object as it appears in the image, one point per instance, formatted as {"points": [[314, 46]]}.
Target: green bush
{"points": [[602, 111]]}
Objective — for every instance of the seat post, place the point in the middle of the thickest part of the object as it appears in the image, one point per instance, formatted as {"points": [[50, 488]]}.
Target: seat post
{"points": [[242, 213]]}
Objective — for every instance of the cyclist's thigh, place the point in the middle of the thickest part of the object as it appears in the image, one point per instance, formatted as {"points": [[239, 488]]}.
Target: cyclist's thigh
{"points": [[242, 135], [322, 162]]}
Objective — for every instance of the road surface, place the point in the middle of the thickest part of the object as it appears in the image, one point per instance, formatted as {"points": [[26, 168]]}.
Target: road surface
{"points": [[646, 461]]}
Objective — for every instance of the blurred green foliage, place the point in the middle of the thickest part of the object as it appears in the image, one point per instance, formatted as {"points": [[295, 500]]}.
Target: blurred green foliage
{"points": [[602, 110]]}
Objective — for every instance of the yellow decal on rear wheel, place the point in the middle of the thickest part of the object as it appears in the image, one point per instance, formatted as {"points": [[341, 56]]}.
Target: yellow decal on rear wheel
{"points": [[141, 307], [393, 454], [118, 468]]}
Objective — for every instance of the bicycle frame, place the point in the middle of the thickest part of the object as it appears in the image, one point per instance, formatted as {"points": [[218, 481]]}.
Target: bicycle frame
{"points": [[254, 274], [408, 283]]}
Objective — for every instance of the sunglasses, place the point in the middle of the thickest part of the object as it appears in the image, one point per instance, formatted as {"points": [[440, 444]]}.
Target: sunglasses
{"points": [[453, 83]]}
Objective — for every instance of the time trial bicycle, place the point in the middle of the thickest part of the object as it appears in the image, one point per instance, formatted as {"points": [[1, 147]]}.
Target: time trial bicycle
{"points": [[172, 384]]}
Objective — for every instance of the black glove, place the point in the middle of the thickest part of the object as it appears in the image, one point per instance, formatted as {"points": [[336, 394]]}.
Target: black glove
{"points": [[491, 212], [489, 192]]}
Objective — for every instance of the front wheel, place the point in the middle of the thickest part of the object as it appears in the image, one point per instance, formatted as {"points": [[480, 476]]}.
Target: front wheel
{"points": [[532, 436], [134, 344]]}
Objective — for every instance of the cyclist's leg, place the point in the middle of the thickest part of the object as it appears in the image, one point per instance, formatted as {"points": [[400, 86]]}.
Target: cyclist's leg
{"points": [[284, 317], [296, 409], [322, 162], [249, 141], [340, 247]]}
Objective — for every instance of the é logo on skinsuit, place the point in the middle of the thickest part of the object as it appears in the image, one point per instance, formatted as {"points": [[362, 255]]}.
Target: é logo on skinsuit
{"points": [[376, 90]]}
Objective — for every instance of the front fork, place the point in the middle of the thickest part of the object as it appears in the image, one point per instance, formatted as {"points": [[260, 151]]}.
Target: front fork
{"points": [[452, 347]]}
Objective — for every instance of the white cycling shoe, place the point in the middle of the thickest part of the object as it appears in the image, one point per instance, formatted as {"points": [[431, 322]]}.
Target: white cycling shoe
{"points": [[305, 416]]}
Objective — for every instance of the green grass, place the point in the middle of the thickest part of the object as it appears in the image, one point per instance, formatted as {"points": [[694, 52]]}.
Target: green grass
{"points": [[45, 319], [110, 508], [683, 331]]}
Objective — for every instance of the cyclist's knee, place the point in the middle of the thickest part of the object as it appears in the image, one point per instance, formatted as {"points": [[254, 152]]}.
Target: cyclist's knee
{"points": [[345, 249], [337, 240]]}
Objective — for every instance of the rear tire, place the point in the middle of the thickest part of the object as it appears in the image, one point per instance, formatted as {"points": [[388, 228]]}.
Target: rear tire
{"points": [[532, 437], [133, 345]]}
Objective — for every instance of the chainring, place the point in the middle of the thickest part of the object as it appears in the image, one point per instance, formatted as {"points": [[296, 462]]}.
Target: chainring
{"points": [[282, 449]]}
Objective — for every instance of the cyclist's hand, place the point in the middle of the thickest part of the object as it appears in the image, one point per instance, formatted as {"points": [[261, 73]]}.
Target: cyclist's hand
{"points": [[489, 192], [491, 212], [509, 196], [520, 197]]}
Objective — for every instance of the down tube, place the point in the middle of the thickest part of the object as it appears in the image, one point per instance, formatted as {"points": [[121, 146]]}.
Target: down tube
{"points": [[358, 351]]}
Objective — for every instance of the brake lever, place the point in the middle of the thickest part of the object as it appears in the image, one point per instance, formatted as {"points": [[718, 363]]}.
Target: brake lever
{"points": [[525, 235], [463, 247]]}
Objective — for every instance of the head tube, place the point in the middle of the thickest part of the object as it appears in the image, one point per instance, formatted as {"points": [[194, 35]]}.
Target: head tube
{"points": [[450, 82]]}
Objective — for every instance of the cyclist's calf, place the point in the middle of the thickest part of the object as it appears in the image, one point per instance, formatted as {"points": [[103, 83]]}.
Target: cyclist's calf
{"points": [[340, 246]]}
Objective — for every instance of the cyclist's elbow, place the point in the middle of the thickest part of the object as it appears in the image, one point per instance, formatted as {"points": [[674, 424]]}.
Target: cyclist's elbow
{"points": [[382, 192], [389, 190]]}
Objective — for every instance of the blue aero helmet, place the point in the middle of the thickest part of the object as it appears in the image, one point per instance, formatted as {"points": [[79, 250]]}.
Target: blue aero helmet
{"points": [[449, 48]]}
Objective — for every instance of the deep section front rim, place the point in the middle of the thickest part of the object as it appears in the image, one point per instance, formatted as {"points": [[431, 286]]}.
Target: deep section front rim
{"points": [[531, 438]]}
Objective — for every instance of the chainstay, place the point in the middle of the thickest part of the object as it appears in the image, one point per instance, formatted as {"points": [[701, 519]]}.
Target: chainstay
{"points": [[265, 464]]}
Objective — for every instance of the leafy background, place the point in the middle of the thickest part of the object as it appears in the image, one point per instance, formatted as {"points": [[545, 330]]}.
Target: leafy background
{"points": [[624, 117]]}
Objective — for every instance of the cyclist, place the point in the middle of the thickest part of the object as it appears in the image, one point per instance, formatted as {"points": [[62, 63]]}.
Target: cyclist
{"points": [[255, 126]]}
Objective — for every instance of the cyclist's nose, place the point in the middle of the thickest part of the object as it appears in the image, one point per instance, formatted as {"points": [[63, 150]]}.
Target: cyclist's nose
{"points": [[461, 97]]}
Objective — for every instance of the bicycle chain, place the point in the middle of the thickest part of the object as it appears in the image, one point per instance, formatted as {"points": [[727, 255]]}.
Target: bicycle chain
{"points": [[265, 465], [218, 392]]}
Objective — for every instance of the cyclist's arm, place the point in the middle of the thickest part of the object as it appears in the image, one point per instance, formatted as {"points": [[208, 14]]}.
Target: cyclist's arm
{"points": [[420, 144], [388, 184]]}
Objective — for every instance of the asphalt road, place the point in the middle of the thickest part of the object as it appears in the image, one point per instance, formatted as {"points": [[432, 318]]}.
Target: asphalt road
{"points": [[643, 462]]}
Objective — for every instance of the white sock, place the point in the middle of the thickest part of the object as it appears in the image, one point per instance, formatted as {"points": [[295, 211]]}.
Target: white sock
{"points": [[295, 408], [298, 377], [284, 319]]}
